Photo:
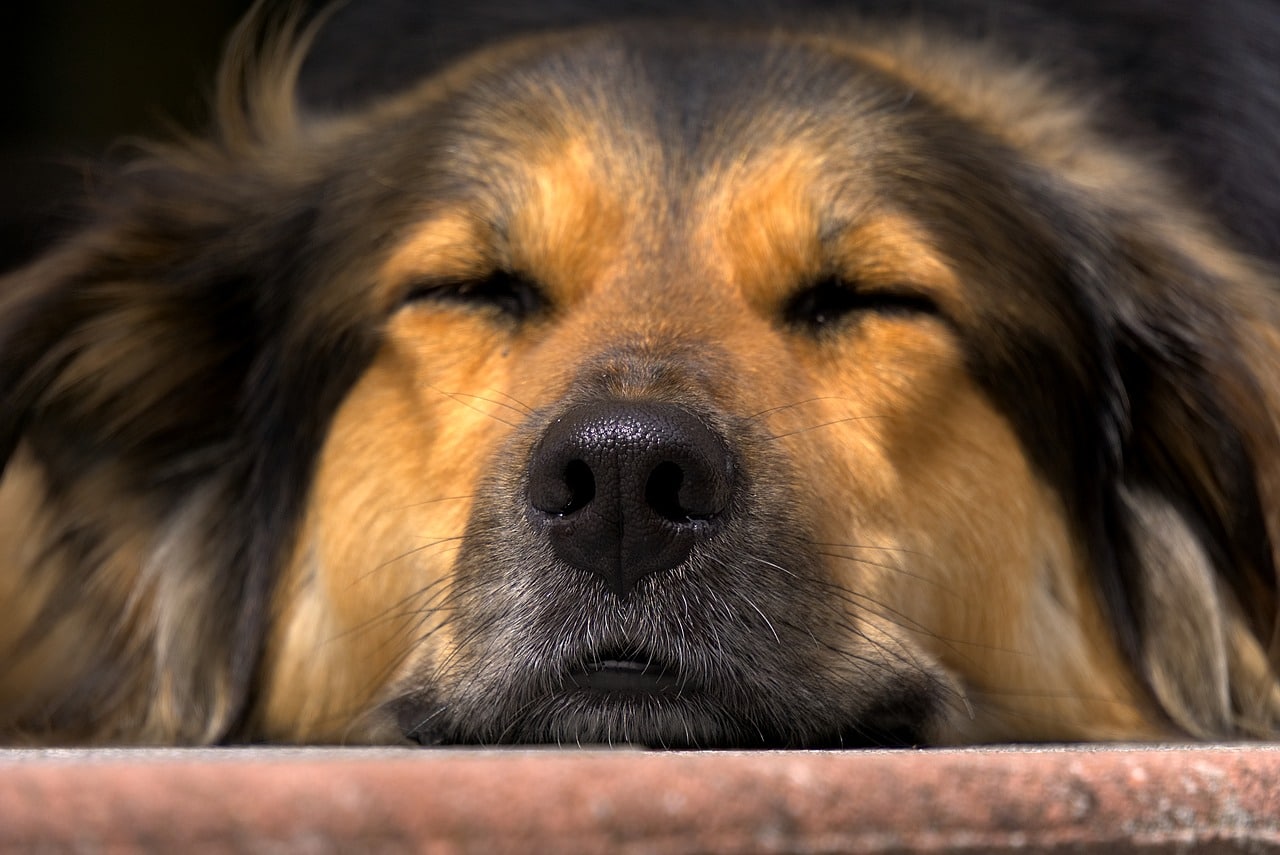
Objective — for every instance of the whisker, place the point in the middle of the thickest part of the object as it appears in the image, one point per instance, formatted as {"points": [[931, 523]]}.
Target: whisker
{"points": [[902, 549], [441, 499], [763, 617], [394, 610], [459, 396], [453, 539], [794, 405], [895, 569], [822, 425], [524, 409], [517, 410], [419, 725]]}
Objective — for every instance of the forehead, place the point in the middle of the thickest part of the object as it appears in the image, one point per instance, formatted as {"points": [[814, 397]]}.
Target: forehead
{"points": [[659, 144], [663, 115]]}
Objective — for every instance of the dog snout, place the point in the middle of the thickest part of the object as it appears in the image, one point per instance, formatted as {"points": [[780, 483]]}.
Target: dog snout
{"points": [[624, 489]]}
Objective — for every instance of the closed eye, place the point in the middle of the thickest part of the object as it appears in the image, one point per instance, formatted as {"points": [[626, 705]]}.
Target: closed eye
{"points": [[510, 293], [828, 301]]}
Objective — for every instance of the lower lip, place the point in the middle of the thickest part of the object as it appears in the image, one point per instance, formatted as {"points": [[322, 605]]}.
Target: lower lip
{"points": [[626, 677]]}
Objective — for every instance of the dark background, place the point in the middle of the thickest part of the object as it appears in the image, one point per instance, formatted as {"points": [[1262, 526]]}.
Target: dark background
{"points": [[1204, 77], [79, 74]]}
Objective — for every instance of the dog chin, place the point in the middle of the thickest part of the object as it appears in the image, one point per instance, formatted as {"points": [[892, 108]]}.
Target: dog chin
{"points": [[643, 703]]}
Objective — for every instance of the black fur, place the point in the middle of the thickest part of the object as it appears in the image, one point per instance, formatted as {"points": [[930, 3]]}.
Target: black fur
{"points": [[1201, 76]]}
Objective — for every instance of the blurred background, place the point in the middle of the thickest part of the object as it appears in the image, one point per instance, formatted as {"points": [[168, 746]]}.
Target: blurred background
{"points": [[82, 74], [79, 74]]}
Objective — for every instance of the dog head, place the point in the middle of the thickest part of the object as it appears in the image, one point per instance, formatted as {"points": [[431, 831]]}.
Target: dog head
{"points": [[700, 389]]}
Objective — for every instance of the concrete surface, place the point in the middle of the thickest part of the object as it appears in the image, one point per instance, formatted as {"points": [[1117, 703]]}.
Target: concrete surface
{"points": [[1211, 799]]}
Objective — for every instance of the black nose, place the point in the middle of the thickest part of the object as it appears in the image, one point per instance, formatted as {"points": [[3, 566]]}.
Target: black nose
{"points": [[626, 488]]}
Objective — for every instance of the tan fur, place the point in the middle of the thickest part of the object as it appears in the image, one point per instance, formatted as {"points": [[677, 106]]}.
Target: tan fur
{"points": [[915, 448]]}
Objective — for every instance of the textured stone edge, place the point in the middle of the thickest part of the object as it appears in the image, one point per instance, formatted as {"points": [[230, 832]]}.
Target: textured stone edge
{"points": [[1224, 798]]}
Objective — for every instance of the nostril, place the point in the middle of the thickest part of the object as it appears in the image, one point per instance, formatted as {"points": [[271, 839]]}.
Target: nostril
{"points": [[662, 492], [571, 491], [581, 484]]}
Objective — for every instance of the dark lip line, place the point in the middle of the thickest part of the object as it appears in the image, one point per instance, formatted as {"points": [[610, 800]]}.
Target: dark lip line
{"points": [[619, 675]]}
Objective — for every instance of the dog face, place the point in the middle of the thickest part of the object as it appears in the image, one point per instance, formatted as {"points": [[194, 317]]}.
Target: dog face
{"points": [[693, 389]]}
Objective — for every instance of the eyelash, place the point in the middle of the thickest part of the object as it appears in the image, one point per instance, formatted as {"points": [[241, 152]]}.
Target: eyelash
{"points": [[828, 301], [815, 308], [510, 293]]}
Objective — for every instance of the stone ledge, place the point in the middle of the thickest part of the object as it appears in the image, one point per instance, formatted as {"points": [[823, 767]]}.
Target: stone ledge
{"points": [[1219, 799]]}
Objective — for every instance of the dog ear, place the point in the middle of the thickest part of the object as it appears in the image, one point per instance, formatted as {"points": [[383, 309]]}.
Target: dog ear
{"points": [[1197, 501], [123, 356], [1143, 375], [163, 395], [164, 392], [31, 320], [155, 234]]}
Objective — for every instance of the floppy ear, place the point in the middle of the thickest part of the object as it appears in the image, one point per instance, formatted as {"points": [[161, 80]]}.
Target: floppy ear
{"points": [[163, 395], [1143, 375], [118, 399], [164, 391], [165, 257], [1197, 503]]}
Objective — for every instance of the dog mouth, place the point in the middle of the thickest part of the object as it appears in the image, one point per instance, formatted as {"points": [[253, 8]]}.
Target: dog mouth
{"points": [[592, 697], [618, 697], [623, 675]]}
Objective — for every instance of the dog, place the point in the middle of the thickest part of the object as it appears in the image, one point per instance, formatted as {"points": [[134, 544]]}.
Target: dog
{"points": [[837, 379]]}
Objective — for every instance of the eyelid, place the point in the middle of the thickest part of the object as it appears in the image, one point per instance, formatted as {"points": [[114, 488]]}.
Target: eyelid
{"points": [[513, 294], [829, 299]]}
